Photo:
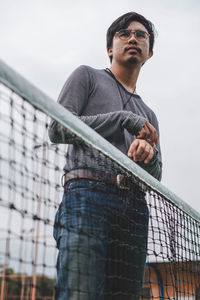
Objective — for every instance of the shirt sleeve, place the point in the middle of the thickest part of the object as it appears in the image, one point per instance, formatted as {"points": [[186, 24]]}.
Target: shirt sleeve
{"points": [[75, 96]]}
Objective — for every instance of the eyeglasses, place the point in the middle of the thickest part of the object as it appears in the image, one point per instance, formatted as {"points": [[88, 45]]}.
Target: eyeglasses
{"points": [[140, 35]]}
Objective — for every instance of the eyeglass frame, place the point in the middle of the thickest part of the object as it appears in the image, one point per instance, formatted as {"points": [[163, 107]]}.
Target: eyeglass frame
{"points": [[132, 32]]}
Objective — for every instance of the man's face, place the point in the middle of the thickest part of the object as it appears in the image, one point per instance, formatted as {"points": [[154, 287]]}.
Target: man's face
{"points": [[132, 50]]}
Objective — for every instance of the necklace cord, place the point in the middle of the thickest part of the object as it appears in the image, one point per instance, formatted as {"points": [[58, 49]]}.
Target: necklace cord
{"points": [[124, 104]]}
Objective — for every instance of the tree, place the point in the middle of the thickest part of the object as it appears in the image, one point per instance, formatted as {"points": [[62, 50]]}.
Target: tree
{"points": [[44, 287]]}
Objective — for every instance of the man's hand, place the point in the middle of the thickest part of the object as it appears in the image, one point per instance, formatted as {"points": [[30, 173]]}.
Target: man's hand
{"points": [[145, 133], [141, 150]]}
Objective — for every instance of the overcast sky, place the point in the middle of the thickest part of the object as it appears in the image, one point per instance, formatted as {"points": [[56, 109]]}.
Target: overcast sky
{"points": [[46, 40]]}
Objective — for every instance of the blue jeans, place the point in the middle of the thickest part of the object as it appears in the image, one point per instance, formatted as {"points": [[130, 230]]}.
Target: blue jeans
{"points": [[101, 233]]}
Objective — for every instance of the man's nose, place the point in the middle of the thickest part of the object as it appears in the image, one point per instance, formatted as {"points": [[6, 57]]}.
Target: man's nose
{"points": [[132, 38]]}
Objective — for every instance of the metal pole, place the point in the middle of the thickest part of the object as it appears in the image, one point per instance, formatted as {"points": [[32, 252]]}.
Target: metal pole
{"points": [[3, 282], [24, 267], [33, 293]]}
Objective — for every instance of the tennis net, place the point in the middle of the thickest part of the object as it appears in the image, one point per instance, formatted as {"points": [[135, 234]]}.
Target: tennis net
{"points": [[123, 235]]}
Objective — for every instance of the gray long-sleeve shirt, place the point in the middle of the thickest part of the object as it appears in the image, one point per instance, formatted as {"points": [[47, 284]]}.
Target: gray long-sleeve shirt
{"points": [[106, 106]]}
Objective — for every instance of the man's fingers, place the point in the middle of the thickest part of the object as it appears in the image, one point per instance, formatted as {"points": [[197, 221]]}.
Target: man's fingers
{"points": [[132, 148], [142, 151], [153, 145], [147, 131], [149, 156], [154, 136], [143, 133]]}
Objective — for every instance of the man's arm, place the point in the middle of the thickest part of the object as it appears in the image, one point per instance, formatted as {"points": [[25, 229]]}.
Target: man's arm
{"points": [[74, 97], [146, 155], [104, 124]]}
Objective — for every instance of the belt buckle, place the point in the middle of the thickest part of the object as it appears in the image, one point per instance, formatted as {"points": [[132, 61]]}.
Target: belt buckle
{"points": [[120, 179], [63, 180]]}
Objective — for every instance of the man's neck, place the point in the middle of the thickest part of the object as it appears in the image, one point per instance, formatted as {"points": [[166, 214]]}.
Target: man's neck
{"points": [[126, 76]]}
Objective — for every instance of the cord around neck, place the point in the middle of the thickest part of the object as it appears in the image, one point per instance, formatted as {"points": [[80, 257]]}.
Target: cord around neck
{"points": [[109, 70], [117, 83]]}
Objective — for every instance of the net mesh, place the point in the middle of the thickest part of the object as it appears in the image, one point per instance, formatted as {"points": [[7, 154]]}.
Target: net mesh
{"points": [[118, 238]]}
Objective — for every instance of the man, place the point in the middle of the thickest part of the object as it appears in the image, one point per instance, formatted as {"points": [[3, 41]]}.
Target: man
{"points": [[101, 226]]}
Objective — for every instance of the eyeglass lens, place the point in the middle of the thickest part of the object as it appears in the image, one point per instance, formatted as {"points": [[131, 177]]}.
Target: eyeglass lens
{"points": [[125, 34]]}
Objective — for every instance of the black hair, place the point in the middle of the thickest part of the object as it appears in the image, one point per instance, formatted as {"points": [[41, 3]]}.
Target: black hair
{"points": [[123, 21]]}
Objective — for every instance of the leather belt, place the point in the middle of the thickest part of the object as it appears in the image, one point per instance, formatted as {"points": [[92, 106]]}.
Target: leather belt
{"points": [[119, 180]]}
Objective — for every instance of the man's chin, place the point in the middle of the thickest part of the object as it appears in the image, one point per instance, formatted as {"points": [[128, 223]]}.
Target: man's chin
{"points": [[133, 60]]}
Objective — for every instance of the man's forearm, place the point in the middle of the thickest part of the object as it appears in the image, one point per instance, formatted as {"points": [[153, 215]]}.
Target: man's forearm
{"points": [[104, 124]]}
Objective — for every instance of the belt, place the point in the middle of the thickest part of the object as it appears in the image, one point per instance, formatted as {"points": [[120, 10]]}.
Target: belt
{"points": [[119, 180]]}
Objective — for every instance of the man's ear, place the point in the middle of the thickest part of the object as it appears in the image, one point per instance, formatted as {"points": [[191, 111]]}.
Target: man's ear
{"points": [[109, 50], [150, 54]]}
